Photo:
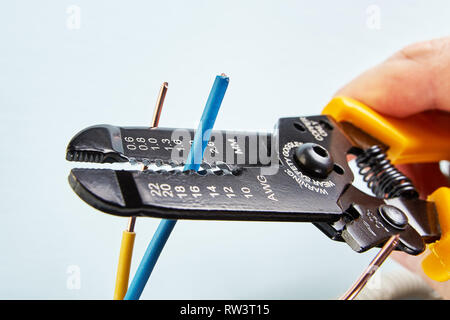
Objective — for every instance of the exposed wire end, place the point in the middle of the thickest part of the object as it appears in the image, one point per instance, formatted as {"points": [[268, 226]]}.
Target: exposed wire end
{"points": [[374, 265]]}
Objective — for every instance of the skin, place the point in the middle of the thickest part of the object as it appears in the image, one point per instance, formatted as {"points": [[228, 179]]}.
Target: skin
{"points": [[413, 80]]}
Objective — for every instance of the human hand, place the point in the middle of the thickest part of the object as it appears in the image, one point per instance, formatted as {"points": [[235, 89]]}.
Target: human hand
{"points": [[415, 79]]}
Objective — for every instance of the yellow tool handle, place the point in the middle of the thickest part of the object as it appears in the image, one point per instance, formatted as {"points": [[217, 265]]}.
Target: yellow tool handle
{"points": [[436, 264], [424, 137], [123, 269]]}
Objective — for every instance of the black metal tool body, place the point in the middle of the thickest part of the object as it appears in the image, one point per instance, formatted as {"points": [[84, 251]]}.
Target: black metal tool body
{"points": [[298, 173]]}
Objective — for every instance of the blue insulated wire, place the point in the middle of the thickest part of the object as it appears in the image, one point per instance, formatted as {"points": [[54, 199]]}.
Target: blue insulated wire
{"points": [[193, 162], [149, 259], [206, 124]]}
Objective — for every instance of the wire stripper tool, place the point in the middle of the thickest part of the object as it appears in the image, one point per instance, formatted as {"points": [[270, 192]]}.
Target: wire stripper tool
{"points": [[300, 172]]}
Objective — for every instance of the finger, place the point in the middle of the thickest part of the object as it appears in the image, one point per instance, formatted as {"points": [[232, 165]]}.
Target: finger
{"points": [[426, 177], [415, 79]]}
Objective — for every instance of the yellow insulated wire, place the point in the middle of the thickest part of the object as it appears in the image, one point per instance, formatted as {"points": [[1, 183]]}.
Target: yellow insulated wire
{"points": [[128, 236], [123, 269]]}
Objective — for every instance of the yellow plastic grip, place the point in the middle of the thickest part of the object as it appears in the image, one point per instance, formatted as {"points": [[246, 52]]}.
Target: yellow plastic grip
{"points": [[424, 137], [436, 264], [123, 269]]}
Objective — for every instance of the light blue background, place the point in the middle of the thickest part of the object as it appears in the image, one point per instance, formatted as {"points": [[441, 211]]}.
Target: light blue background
{"points": [[284, 58]]}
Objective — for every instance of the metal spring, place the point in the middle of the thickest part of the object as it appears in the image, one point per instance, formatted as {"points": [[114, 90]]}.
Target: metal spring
{"points": [[382, 177]]}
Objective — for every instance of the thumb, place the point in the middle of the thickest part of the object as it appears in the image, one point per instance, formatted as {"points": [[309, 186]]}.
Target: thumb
{"points": [[415, 79]]}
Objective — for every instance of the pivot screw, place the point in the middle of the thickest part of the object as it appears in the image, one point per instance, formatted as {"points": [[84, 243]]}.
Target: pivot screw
{"points": [[314, 159], [395, 217]]}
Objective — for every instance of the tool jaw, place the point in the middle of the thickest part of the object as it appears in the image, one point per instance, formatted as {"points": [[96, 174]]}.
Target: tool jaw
{"points": [[166, 146], [96, 144]]}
